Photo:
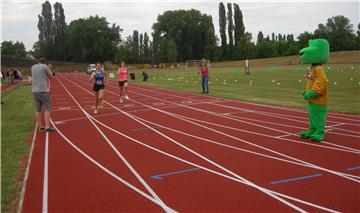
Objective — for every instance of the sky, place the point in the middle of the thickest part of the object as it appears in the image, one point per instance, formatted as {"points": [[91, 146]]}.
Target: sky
{"points": [[19, 17]]}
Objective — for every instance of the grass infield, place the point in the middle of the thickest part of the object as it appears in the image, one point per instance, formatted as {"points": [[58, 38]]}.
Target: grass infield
{"points": [[16, 127], [280, 86]]}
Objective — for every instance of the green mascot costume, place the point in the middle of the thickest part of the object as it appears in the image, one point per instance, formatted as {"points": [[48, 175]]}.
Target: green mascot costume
{"points": [[316, 92]]}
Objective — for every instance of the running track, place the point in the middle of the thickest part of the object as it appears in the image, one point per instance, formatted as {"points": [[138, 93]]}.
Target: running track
{"points": [[164, 150]]}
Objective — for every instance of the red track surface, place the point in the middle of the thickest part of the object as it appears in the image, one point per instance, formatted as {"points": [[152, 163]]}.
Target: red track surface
{"points": [[191, 153], [9, 86]]}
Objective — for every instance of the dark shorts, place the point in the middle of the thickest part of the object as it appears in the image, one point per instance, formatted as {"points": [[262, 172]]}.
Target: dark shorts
{"points": [[98, 87], [121, 83], [42, 98]]}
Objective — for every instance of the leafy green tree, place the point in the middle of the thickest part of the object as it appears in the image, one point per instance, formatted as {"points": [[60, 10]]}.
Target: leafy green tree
{"points": [[141, 47], [230, 30], [222, 25], [265, 49], [37, 51], [245, 47], [16, 49], [135, 45], [304, 38], [146, 47], [124, 52], [358, 37], [60, 30], [92, 39], [260, 37], [239, 24], [45, 26], [167, 50], [339, 32], [209, 40], [190, 30]]}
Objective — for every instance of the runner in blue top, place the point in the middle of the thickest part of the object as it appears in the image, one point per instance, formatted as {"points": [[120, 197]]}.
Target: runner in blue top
{"points": [[99, 84]]}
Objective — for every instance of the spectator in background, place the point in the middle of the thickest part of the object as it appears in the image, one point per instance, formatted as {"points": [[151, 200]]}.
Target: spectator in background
{"points": [[17, 74], [1, 78], [41, 73], [204, 71], [7, 74], [247, 67], [145, 76], [11, 76]]}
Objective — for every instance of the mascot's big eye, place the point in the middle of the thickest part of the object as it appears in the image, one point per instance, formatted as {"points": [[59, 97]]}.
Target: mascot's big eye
{"points": [[302, 53]]}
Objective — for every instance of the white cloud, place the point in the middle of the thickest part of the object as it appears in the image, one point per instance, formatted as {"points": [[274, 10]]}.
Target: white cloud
{"points": [[19, 18]]}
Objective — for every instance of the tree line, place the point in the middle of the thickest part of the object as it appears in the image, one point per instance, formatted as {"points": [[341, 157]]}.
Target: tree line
{"points": [[177, 35]]}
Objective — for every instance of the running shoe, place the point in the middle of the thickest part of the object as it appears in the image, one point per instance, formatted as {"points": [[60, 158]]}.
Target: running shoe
{"points": [[50, 129], [121, 100], [126, 97]]}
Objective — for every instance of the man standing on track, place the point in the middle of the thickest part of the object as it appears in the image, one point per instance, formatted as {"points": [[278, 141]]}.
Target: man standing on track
{"points": [[41, 73], [247, 67]]}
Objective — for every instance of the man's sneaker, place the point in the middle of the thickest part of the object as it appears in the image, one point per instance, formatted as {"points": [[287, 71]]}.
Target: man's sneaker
{"points": [[50, 129], [121, 100], [42, 129], [126, 97]]}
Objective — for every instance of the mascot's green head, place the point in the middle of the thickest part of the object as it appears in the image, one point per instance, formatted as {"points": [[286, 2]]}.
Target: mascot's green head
{"points": [[316, 53]]}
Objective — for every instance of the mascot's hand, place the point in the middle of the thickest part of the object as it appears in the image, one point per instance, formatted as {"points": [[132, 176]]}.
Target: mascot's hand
{"points": [[310, 94]]}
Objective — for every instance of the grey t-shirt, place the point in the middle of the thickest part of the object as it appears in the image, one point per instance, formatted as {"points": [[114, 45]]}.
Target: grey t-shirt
{"points": [[40, 73]]}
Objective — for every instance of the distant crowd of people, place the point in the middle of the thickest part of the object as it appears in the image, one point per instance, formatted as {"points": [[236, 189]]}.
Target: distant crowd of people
{"points": [[12, 75]]}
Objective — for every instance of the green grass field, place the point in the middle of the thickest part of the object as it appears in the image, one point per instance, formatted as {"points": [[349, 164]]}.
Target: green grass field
{"points": [[16, 125], [281, 86]]}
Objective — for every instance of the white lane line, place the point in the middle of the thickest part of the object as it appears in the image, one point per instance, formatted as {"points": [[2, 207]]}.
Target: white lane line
{"points": [[46, 175], [286, 135], [346, 130], [23, 189], [256, 120], [292, 110], [208, 112], [224, 145], [124, 112], [237, 118], [246, 103], [347, 149], [106, 170], [343, 148], [213, 171], [206, 159], [129, 111], [228, 117], [118, 153], [340, 174], [333, 125]]}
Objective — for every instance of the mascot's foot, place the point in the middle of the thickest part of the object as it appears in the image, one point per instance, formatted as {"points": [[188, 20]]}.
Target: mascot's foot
{"points": [[317, 137], [305, 134]]}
